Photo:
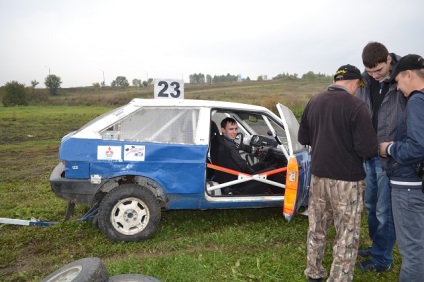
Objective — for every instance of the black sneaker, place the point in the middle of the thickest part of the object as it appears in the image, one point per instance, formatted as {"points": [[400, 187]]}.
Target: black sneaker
{"points": [[369, 265], [365, 252], [314, 280]]}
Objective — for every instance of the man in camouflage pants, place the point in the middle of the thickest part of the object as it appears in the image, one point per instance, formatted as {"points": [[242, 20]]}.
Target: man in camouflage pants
{"points": [[338, 127], [326, 196]]}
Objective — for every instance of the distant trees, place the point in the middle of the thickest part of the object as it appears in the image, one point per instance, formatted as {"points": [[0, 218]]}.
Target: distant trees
{"points": [[120, 81], [310, 75], [148, 82], [197, 78], [286, 76], [53, 82], [200, 78], [34, 83], [137, 82], [224, 78], [15, 94]]}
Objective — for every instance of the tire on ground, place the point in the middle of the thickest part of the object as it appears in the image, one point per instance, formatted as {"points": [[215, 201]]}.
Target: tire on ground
{"points": [[86, 269], [132, 278], [129, 213]]}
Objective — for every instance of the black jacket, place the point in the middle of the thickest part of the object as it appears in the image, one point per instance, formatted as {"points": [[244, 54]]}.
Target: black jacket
{"points": [[338, 127], [229, 157]]}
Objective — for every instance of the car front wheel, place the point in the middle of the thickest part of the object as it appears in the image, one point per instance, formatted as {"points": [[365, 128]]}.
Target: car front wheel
{"points": [[129, 213]]}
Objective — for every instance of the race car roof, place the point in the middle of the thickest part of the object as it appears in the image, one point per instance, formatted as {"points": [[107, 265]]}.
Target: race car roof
{"points": [[195, 103], [91, 129]]}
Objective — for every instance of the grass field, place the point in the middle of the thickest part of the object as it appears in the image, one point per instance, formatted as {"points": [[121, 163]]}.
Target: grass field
{"points": [[215, 245]]}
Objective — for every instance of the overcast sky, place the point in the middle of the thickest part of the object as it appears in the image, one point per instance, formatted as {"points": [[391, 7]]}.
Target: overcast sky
{"points": [[80, 40]]}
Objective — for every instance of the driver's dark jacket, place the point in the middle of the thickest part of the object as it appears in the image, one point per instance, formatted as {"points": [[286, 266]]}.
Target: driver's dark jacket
{"points": [[229, 157], [338, 127]]}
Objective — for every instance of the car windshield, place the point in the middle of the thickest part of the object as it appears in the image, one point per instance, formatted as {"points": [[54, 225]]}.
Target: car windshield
{"points": [[252, 123]]}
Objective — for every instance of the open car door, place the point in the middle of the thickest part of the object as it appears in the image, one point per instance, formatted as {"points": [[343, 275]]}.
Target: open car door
{"points": [[298, 172]]}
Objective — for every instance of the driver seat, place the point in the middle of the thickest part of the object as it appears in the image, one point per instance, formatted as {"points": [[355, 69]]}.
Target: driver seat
{"points": [[214, 142]]}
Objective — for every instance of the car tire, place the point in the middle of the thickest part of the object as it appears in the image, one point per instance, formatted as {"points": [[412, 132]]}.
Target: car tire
{"points": [[86, 269], [132, 278], [129, 213]]}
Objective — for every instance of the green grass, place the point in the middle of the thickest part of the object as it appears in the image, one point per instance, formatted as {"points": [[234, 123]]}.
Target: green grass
{"points": [[214, 245]]}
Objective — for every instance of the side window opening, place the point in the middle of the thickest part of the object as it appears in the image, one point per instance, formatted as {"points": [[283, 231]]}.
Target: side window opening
{"points": [[156, 124]]}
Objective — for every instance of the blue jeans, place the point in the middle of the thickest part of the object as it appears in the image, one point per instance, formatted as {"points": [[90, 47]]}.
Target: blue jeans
{"points": [[408, 212], [380, 218]]}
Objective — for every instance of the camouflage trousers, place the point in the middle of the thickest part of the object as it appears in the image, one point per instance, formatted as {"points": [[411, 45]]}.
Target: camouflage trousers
{"points": [[340, 202]]}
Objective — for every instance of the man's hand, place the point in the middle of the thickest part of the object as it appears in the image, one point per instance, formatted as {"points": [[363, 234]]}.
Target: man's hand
{"points": [[382, 149]]}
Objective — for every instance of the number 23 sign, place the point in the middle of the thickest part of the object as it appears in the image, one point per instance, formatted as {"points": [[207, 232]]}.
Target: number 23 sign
{"points": [[169, 88]]}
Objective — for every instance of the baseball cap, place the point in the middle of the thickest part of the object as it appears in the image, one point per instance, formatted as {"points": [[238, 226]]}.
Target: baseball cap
{"points": [[348, 72], [408, 62]]}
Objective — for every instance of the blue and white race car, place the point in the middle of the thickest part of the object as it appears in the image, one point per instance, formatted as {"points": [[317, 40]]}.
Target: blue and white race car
{"points": [[155, 154]]}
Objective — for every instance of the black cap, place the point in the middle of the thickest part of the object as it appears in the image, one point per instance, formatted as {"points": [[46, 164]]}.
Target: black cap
{"points": [[348, 72], [408, 62]]}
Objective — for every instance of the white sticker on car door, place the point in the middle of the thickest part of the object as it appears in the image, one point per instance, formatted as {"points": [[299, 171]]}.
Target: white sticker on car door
{"points": [[134, 153], [110, 153]]}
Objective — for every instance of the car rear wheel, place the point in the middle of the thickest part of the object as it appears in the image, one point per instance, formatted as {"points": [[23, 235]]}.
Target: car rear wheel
{"points": [[129, 213]]}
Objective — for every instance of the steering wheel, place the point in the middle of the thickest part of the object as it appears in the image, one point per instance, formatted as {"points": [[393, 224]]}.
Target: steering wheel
{"points": [[242, 147], [240, 137]]}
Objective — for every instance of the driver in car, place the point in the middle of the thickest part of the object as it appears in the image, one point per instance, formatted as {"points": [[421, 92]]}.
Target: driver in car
{"points": [[229, 157]]}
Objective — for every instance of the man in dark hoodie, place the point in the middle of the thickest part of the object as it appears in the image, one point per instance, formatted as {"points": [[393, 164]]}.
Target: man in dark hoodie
{"points": [[387, 107], [407, 183]]}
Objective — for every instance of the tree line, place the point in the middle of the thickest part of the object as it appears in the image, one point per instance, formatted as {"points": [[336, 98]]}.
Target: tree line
{"points": [[200, 78], [16, 94]]}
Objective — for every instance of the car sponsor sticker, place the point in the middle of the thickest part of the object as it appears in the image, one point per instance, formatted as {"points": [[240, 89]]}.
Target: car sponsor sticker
{"points": [[110, 153], [134, 153]]}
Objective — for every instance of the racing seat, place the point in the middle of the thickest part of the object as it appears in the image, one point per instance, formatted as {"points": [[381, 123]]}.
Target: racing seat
{"points": [[214, 142]]}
